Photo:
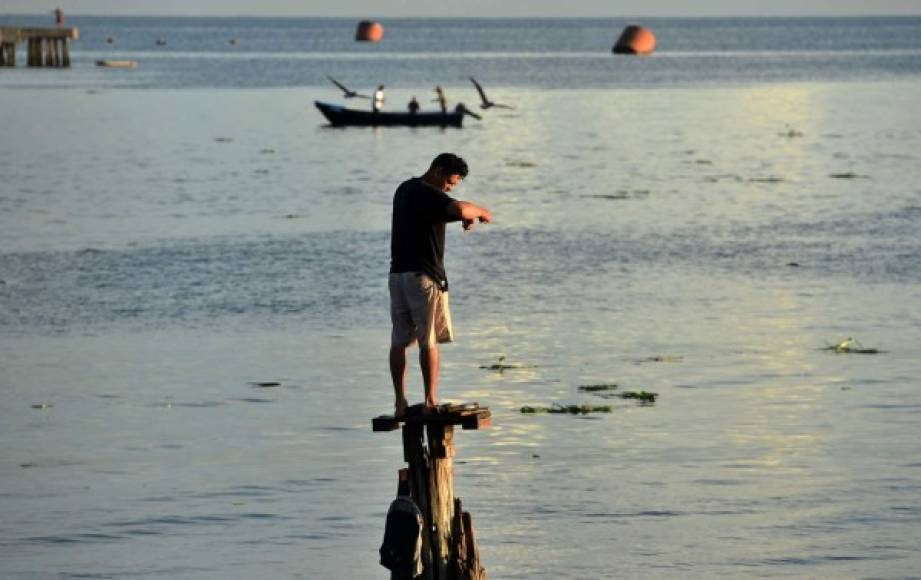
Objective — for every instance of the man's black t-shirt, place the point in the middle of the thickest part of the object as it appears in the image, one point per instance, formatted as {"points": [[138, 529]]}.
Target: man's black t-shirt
{"points": [[417, 239]]}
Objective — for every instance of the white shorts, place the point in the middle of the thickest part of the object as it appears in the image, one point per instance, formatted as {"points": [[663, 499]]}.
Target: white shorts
{"points": [[419, 311]]}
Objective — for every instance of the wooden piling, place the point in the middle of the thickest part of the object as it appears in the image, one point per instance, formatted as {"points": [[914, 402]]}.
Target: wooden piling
{"points": [[48, 49], [7, 53], [441, 491], [449, 550]]}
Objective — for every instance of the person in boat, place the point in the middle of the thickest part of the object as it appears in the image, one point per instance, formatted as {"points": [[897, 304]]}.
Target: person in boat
{"points": [[441, 99], [417, 281], [413, 105], [377, 103]]}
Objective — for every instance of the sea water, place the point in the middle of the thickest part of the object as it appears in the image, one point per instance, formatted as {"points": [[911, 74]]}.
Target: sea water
{"points": [[700, 224]]}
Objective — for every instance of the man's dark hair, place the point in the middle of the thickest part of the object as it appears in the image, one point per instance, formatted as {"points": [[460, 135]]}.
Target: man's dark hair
{"points": [[451, 164]]}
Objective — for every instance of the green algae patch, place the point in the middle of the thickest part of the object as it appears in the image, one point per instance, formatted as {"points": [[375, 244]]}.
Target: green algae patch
{"points": [[791, 133], [851, 346], [598, 388], [567, 409], [641, 396], [520, 163], [660, 359], [501, 366], [847, 175]]}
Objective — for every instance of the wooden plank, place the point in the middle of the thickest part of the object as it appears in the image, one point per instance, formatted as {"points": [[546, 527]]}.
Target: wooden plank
{"points": [[17, 34], [481, 420], [469, 416], [385, 423]]}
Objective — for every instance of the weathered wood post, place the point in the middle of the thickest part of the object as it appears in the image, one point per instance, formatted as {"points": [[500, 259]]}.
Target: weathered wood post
{"points": [[449, 550], [30, 52], [50, 58], [7, 54]]}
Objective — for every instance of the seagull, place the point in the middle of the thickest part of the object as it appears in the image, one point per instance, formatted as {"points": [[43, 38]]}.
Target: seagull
{"points": [[348, 92], [486, 102], [460, 108]]}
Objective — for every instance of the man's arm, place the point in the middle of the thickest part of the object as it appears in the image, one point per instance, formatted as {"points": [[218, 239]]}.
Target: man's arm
{"points": [[468, 213]]}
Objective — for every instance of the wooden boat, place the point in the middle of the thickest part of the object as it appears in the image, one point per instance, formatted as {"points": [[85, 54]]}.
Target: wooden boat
{"points": [[340, 116], [117, 63]]}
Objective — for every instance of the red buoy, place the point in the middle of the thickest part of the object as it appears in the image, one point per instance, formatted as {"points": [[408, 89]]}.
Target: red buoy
{"points": [[635, 40], [369, 31]]}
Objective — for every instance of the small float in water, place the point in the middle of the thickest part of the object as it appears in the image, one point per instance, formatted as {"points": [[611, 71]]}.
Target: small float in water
{"points": [[369, 31], [117, 63], [635, 40]]}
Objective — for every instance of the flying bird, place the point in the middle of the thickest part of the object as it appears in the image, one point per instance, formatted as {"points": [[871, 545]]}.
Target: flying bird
{"points": [[348, 92], [486, 103]]}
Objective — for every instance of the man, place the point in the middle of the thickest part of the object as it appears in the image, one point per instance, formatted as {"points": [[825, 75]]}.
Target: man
{"points": [[441, 99], [417, 281]]}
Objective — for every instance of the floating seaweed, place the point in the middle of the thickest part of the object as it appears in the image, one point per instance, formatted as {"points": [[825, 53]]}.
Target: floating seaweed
{"points": [[502, 367], [660, 358], [265, 384], [567, 409], [851, 346], [519, 163], [618, 195], [641, 396], [596, 388]]}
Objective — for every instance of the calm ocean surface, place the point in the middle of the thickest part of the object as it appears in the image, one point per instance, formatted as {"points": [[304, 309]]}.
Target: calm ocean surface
{"points": [[699, 223]]}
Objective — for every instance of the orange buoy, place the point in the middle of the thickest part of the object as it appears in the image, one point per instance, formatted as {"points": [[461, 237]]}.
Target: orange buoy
{"points": [[635, 40], [369, 31]]}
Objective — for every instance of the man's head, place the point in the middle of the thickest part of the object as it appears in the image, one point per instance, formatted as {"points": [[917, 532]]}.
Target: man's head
{"points": [[446, 171]]}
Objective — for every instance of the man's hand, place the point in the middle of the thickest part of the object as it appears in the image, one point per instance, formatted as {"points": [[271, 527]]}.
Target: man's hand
{"points": [[469, 214]]}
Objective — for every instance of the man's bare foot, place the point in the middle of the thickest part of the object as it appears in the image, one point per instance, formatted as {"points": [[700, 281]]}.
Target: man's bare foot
{"points": [[399, 408]]}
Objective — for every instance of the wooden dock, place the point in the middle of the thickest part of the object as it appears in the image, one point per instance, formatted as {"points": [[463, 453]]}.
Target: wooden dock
{"points": [[449, 548], [47, 47]]}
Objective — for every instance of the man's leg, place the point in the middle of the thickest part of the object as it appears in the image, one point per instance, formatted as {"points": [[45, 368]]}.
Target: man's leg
{"points": [[398, 374], [428, 360]]}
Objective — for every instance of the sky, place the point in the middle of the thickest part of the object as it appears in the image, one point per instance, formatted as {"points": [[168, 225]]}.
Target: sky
{"points": [[468, 8]]}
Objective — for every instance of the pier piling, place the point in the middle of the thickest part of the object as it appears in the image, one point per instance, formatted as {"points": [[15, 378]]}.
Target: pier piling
{"points": [[449, 549], [45, 47]]}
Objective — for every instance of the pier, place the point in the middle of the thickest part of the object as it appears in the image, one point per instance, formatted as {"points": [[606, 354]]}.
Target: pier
{"points": [[449, 548], [47, 47]]}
